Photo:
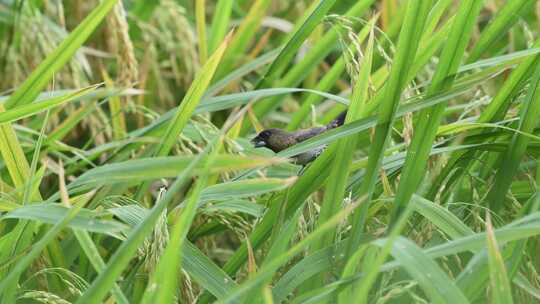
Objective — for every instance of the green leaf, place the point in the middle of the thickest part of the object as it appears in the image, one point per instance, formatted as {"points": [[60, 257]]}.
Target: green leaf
{"points": [[53, 213], [278, 247], [283, 237], [429, 120], [100, 93], [530, 110], [27, 110], [118, 119], [513, 57], [234, 205], [527, 286], [123, 255], [362, 288], [218, 103], [242, 71], [144, 169], [205, 272], [409, 38], [70, 123], [435, 283], [268, 270], [315, 55], [200, 21], [441, 217], [163, 282], [501, 291], [326, 83], [240, 41], [505, 18], [41, 76], [499, 105], [520, 229], [244, 188], [220, 23], [306, 268], [341, 166], [9, 145], [190, 101], [6, 205], [25, 261], [201, 268], [296, 39], [13, 154], [92, 253], [510, 88]]}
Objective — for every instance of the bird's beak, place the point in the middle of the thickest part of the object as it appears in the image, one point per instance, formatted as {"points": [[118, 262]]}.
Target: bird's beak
{"points": [[257, 143]]}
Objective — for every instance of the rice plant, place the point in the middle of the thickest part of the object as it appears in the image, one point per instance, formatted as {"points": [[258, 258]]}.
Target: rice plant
{"points": [[269, 151]]}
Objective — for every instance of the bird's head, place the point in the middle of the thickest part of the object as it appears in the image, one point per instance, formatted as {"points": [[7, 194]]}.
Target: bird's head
{"points": [[273, 139]]}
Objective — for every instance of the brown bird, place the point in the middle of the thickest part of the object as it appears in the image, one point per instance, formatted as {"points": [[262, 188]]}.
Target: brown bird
{"points": [[278, 140]]}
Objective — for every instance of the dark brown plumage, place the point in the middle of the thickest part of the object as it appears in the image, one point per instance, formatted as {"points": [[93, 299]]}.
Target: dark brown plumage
{"points": [[278, 140]]}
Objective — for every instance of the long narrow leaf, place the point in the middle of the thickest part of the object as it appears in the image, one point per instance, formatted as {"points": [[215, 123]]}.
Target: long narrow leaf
{"points": [[190, 100], [426, 127], [335, 188], [121, 258], [510, 162], [500, 285], [415, 17]]}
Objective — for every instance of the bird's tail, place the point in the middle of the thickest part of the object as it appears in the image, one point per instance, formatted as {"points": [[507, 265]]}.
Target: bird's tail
{"points": [[338, 121]]}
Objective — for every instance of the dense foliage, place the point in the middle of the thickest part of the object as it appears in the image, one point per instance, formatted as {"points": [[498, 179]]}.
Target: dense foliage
{"points": [[127, 174]]}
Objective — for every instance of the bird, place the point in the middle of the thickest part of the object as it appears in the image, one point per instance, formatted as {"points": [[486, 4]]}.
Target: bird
{"points": [[278, 140]]}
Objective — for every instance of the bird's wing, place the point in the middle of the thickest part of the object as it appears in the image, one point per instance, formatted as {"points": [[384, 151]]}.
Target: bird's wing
{"points": [[302, 135]]}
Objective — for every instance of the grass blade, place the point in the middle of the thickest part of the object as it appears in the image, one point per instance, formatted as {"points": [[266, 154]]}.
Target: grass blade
{"points": [[269, 269], [301, 69], [163, 283], [426, 127], [441, 217], [415, 17], [190, 100], [37, 248], [338, 179], [240, 40], [220, 23], [200, 20], [245, 188], [498, 106], [205, 272], [501, 291], [326, 83], [504, 20], [92, 253], [510, 161], [144, 169], [39, 78], [123, 255], [433, 280], [118, 119], [9, 144], [54, 213], [13, 154], [27, 110], [293, 44]]}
